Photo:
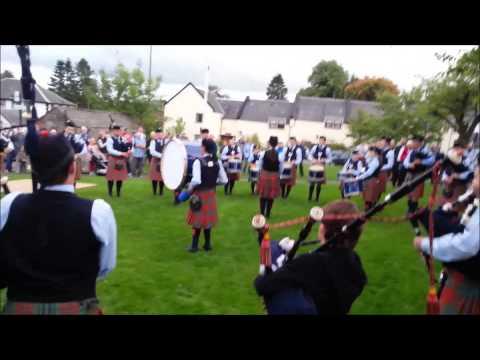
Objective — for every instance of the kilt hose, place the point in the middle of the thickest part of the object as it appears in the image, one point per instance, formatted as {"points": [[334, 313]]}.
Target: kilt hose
{"points": [[268, 186], [117, 169], [371, 190], [86, 307], [155, 172], [78, 173], [293, 179], [207, 216], [460, 295], [417, 193]]}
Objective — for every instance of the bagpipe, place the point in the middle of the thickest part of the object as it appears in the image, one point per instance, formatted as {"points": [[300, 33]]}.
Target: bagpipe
{"points": [[274, 254]]}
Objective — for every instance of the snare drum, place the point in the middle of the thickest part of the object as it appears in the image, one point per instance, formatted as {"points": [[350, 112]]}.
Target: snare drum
{"points": [[234, 166], [352, 188], [286, 171], [316, 174]]}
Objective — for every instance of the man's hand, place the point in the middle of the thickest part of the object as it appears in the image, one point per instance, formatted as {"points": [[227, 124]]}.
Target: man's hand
{"points": [[417, 243]]}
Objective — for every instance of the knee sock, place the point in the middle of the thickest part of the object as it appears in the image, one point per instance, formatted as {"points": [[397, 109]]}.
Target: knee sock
{"points": [[195, 237], [110, 187], [226, 188], [269, 207], [154, 187], [283, 190], [319, 188], [160, 184], [263, 206], [288, 191], [252, 187], [232, 184], [207, 233], [412, 207], [119, 187], [310, 191]]}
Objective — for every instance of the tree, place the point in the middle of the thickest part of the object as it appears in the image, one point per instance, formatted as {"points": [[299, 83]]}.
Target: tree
{"points": [[87, 85], [454, 96], [328, 79], [402, 116], [216, 91], [277, 90], [57, 80], [179, 127], [72, 88], [370, 89], [7, 75]]}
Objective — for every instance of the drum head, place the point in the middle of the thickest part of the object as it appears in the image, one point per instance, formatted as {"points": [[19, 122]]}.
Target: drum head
{"points": [[174, 164]]}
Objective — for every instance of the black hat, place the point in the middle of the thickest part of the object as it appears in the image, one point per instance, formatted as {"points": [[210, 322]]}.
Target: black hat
{"points": [[375, 150], [158, 130], [273, 141], [417, 138], [459, 143], [116, 127], [227, 136], [53, 156], [204, 131], [210, 146]]}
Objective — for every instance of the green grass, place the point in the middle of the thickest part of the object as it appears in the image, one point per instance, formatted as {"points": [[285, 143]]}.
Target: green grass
{"points": [[156, 275]]}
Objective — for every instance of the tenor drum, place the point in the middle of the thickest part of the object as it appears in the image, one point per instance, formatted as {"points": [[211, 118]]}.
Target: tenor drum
{"points": [[234, 166], [177, 163], [352, 188], [286, 171], [316, 174]]}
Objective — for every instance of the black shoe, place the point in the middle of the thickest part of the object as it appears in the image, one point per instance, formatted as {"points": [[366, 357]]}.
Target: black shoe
{"points": [[417, 232], [192, 249], [207, 248]]}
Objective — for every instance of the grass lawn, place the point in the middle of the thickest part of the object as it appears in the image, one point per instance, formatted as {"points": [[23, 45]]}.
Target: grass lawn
{"points": [[156, 275]]}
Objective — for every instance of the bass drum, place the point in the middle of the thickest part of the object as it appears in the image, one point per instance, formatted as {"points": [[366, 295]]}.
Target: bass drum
{"points": [[177, 163]]}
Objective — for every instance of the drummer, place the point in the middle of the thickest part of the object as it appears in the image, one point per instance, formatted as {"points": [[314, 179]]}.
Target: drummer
{"points": [[354, 166], [118, 154], [254, 169], [320, 154], [388, 158], [156, 149], [207, 172], [231, 151], [291, 156], [370, 177]]}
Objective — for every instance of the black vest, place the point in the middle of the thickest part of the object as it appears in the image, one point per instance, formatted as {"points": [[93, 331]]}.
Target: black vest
{"points": [[354, 165], [77, 146], [322, 152], [232, 149], [384, 156], [48, 249], [119, 144], [291, 154], [421, 155], [255, 158], [209, 174], [159, 145], [103, 142], [270, 161]]}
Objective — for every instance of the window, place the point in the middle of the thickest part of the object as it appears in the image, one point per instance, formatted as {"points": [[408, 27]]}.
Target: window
{"points": [[333, 123], [199, 118], [276, 123]]}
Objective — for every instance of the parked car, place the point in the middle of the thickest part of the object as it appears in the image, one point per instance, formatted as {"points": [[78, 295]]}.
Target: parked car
{"points": [[339, 157]]}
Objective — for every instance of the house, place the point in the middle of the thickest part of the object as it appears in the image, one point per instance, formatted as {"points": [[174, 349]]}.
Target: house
{"points": [[11, 98], [94, 120], [11, 117], [306, 118]]}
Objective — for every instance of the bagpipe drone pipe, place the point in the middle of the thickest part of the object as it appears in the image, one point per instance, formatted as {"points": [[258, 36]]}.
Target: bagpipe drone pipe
{"points": [[275, 254]]}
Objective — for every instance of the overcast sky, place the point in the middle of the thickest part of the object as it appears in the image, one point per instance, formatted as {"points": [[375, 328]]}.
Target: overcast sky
{"points": [[242, 70]]}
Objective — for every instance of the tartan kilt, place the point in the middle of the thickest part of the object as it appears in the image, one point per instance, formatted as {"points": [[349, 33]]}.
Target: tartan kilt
{"points": [[371, 190], [460, 295], [155, 172], [293, 179], [233, 177], [112, 173], [268, 186], [383, 180], [207, 216], [87, 307], [417, 193], [78, 173]]}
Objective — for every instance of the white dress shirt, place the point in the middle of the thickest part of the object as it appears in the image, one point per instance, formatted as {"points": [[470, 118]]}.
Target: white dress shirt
{"points": [[428, 161], [459, 246], [298, 153], [225, 157], [110, 148], [360, 168], [153, 150], [328, 152], [102, 221], [197, 174]]}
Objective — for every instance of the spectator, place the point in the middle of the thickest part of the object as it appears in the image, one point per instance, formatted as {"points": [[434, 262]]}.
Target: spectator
{"points": [[139, 143]]}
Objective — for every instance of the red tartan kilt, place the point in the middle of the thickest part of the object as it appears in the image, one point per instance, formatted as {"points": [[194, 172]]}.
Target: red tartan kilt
{"points": [[383, 179], [67, 308], [207, 216], [112, 173], [371, 190], [460, 295], [233, 177], [268, 186], [154, 172], [293, 179], [78, 173]]}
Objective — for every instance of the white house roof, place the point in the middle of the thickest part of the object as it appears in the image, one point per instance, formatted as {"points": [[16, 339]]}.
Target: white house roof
{"points": [[8, 87]]}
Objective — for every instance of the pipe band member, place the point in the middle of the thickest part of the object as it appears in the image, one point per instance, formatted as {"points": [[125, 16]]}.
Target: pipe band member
{"points": [[79, 146], [254, 165], [54, 246], [230, 151], [206, 173], [370, 177], [354, 166], [291, 155], [268, 188], [118, 154], [460, 254], [417, 161], [388, 160], [333, 275], [320, 154], [156, 150]]}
